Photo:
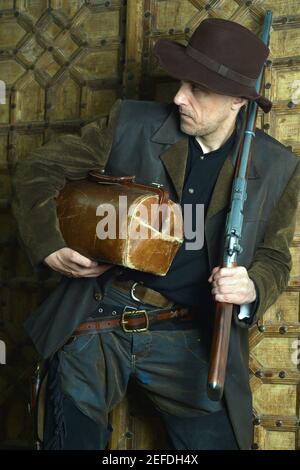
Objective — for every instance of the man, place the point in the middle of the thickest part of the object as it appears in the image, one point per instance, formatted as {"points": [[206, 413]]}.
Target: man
{"points": [[191, 148]]}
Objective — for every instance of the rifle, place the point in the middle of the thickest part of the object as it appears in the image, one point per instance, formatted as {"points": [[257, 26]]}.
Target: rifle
{"points": [[232, 247]]}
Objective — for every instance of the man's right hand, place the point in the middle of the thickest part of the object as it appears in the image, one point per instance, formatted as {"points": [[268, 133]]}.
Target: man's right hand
{"points": [[70, 263]]}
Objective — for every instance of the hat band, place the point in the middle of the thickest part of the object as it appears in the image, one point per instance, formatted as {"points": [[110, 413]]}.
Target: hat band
{"points": [[219, 68]]}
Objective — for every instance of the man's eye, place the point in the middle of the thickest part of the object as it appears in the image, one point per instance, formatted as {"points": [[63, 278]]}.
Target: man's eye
{"points": [[200, 89]]}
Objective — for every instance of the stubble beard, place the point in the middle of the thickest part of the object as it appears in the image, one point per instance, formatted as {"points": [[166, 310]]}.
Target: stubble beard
{"points": [[195, 131]]}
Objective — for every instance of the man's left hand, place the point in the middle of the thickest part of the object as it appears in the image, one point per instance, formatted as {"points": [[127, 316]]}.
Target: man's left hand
{"points": [[232, 285]]}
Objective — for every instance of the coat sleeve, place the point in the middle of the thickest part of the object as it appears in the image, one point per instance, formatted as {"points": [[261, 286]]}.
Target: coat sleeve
{"points": [[38, 179], [272, 261]]}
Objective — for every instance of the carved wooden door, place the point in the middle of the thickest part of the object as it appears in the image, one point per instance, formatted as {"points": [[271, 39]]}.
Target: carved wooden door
{"points": [[62, 63], [65, 61]]}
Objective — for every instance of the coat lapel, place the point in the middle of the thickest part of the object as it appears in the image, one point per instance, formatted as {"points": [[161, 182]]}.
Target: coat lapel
{"points": [[222, 189], [175, 150], [174, 158]]}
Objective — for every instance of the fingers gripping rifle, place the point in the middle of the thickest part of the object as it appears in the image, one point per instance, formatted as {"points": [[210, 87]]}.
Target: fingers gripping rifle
{"points": [[234, 224]]}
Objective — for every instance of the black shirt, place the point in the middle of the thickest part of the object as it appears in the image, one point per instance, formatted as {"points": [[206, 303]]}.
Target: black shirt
{"points": [[186, 281]]}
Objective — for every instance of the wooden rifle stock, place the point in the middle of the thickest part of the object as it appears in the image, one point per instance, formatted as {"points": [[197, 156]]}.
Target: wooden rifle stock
{"points": [[219, 350]]}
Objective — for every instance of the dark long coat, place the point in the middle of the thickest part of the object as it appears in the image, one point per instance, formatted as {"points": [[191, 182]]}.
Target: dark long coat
{"points": [[144, 139]]}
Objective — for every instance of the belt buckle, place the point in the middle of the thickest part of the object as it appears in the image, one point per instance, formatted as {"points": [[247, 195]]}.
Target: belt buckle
{"points": [[124, 321]]}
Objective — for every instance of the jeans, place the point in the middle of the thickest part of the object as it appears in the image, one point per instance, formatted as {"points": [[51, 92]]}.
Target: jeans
{"points": [[169, 363]]}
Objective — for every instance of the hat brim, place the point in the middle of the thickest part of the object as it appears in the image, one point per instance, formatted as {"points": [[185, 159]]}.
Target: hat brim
{"points": [[174, 60]]}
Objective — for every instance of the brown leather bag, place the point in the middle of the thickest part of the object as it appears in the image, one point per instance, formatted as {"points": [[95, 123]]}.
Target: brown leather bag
{"points": [[138, 239]]}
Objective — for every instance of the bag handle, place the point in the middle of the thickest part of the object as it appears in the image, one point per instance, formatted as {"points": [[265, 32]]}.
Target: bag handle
{"points": [[98, 177], [109, 179]]}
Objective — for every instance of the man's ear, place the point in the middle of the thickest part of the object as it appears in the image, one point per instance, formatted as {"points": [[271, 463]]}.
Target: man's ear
{"points": [[238, 102]]}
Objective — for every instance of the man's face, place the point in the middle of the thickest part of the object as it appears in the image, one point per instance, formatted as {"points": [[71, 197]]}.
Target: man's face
{"points": [[202, 111]]}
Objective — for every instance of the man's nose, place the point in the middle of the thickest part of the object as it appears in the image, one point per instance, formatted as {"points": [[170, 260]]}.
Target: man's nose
{"points": [[181, 96]]}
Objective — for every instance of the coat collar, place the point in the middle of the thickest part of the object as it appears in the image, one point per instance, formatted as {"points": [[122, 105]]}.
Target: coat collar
{"points": [[175, 156]]}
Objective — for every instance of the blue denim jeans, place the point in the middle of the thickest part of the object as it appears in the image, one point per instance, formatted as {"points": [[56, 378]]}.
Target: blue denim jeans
{"points": [[169, 362]]}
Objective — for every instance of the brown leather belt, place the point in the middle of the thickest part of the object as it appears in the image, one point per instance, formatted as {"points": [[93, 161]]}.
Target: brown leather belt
{"points": [[143, 294], [132, 320]]}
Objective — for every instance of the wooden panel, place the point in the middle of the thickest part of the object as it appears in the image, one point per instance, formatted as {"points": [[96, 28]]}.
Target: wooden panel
{"points": [[65, 46], [10, 31], [63, 99], [4, 110], [297, 228], [285, 43], [98, 65], [93, 100], [172, 16], [29, 100], [225, 9], [29, 51], [283, 7], [295, 273], [10, 71], [276, 399], [32, 8], [287, 128], [25, 142], [284, 79], [270, 439], [275, 440], [95, 26], [275, 353], [67, 7], [46, 67], [5, 187], [3, 148], [284, 311], [165, 91]]}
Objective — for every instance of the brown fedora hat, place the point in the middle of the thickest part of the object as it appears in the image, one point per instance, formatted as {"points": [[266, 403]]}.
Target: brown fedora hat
{"points": [[221, 55]]}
